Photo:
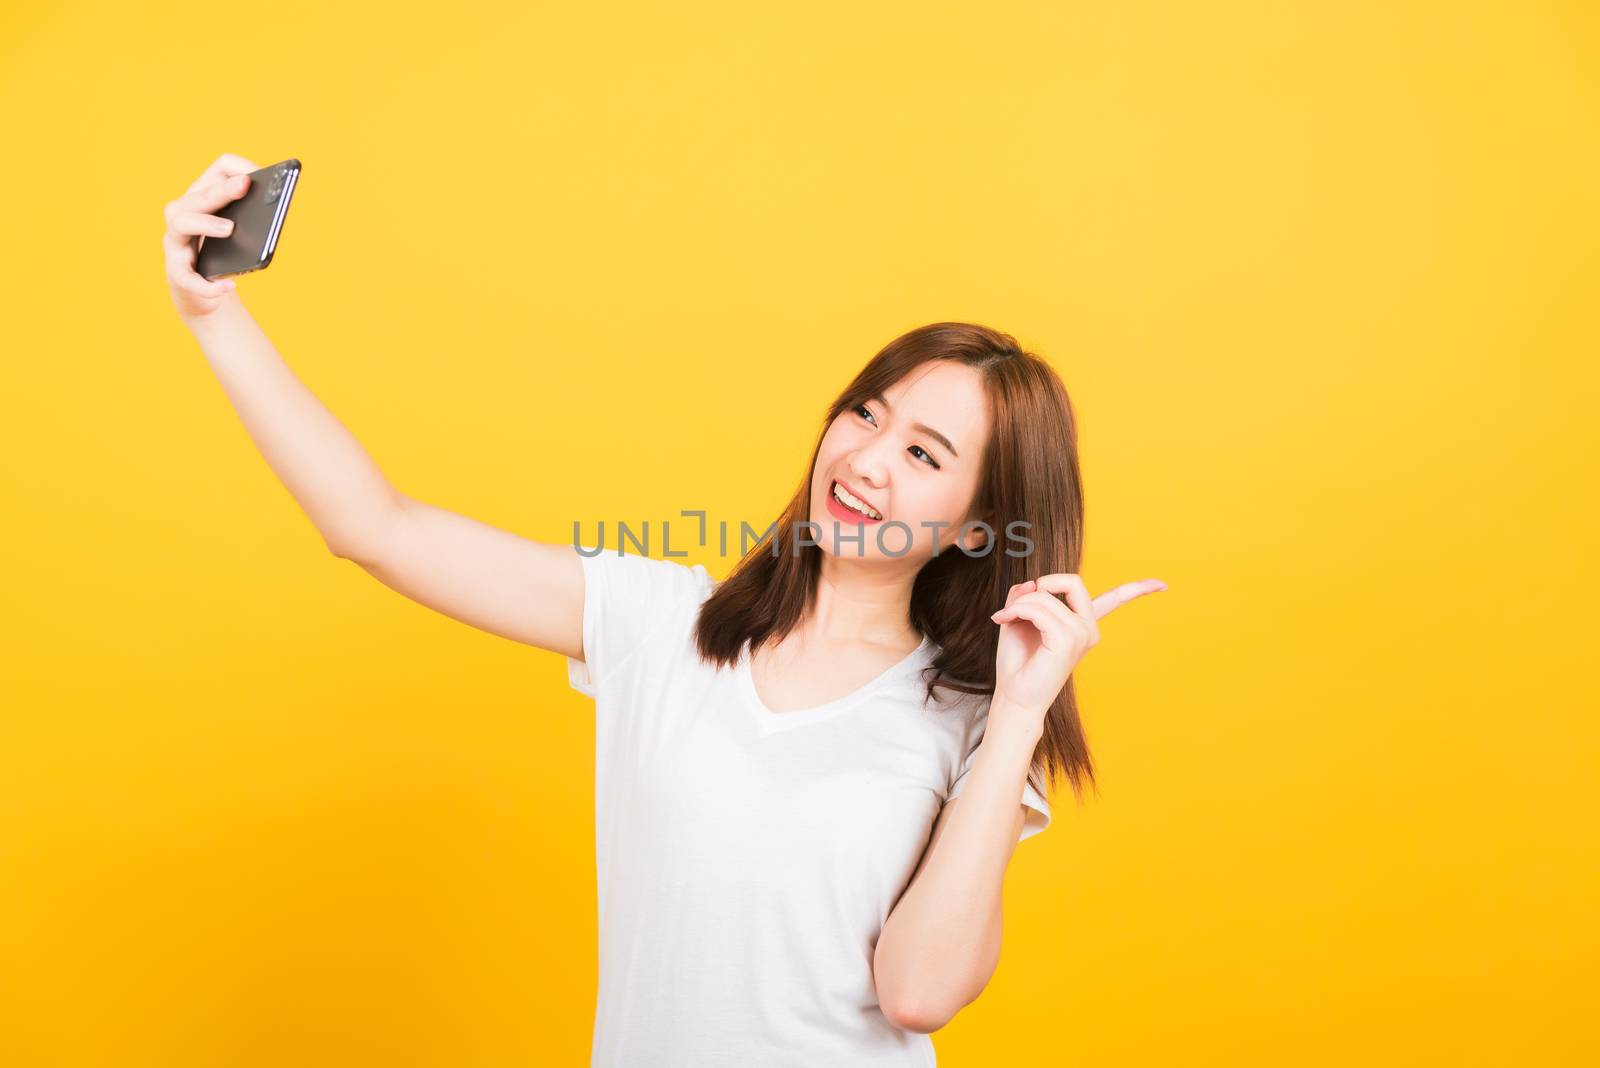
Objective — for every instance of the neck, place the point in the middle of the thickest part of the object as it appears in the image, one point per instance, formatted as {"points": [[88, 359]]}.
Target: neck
{"points": [[863, 602]]}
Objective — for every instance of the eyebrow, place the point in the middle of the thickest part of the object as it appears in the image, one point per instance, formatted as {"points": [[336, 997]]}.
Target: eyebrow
{"points": [[924, 427]]}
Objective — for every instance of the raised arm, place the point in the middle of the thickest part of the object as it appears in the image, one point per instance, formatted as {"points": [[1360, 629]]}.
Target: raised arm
{"points": [[528, 591], [524, 590]]}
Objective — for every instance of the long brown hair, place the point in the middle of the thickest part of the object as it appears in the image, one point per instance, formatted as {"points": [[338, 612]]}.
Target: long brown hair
{"points": [[1029, 472]]}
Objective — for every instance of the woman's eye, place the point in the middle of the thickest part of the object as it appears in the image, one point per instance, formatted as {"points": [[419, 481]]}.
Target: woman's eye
{"points": [[867, 412], [931, 461]]}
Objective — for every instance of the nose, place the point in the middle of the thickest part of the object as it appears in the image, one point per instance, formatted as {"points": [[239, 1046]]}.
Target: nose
{"points": [[867, 466]]}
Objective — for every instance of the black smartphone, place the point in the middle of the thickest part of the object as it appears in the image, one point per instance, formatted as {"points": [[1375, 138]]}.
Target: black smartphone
{"points": [[257, 221]]}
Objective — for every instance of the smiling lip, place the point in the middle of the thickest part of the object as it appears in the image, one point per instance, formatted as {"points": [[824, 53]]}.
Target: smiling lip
{"points": [[844, 513]]}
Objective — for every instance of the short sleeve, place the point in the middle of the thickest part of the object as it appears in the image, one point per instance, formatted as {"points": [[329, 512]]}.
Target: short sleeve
{"points": [[626, 599], [1038, 817]]}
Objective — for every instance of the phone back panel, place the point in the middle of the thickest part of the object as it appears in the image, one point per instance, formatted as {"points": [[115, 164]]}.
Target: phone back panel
{"points": [[257, 223]]}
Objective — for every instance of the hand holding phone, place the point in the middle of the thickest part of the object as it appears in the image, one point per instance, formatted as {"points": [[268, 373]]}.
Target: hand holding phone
{"points": [[236, 211]]}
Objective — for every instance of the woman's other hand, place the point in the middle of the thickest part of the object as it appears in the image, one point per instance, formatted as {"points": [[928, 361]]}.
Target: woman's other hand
{"points": [[1042, 639]]}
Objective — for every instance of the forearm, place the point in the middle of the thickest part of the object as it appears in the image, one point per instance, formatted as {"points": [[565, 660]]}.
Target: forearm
{"points": [[941, 943], [336, 483]]}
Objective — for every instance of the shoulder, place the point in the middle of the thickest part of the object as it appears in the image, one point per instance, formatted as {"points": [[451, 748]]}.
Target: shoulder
{"points": [[631, 596], [661, 582], [958, 716], [634, 608], [948, 701]]}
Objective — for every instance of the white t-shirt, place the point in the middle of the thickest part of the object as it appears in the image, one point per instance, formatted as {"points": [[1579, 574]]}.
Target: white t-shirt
{"points": [[747, 859]]}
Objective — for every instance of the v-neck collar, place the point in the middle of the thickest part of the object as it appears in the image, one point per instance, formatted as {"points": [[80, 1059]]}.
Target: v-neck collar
{"points": [[768, 721]]}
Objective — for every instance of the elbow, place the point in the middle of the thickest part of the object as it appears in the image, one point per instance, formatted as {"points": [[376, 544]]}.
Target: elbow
{"points": [[347, 546], [361, 538], [338, 550], [917, 1006], [922, 1011], [361, 548], [921, 1018], [919, 995]]}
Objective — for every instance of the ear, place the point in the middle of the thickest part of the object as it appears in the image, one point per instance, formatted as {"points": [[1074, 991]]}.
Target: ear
{"points": [[975, 538]]}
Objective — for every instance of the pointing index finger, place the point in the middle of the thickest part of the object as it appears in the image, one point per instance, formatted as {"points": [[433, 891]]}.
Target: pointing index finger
{"points": [[1121, 595]]}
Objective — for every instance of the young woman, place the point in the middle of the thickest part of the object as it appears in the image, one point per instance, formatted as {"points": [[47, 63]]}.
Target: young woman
{"points": [[784, 875]]}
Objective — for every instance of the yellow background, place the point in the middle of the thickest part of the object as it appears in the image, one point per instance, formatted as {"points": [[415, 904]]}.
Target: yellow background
{"points": [[1318, 276]]}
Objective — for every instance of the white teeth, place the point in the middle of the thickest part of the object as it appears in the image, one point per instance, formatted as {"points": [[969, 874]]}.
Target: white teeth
{"points": [[855, 504]]}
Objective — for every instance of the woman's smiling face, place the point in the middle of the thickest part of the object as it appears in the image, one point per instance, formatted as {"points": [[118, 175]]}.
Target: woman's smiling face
{"points": [[911, 456]]}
